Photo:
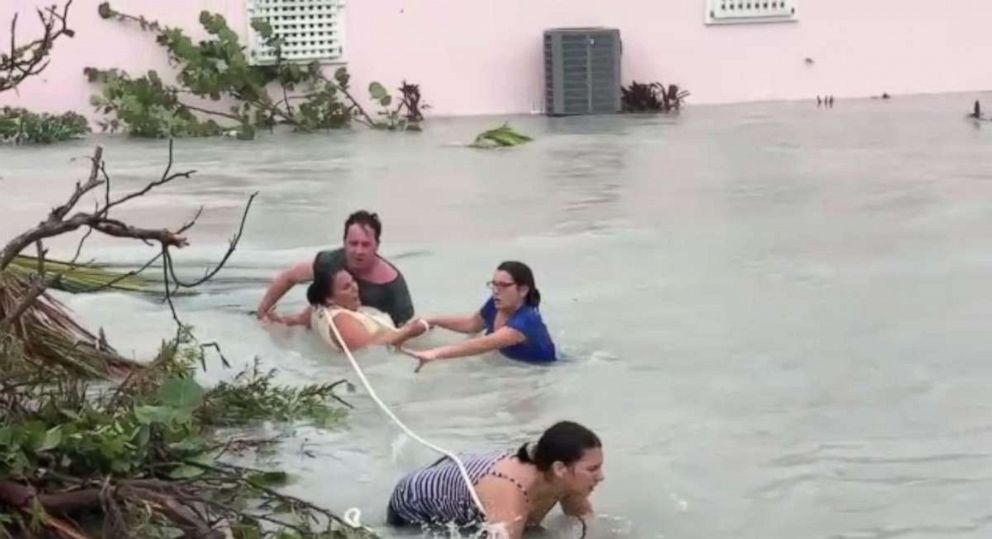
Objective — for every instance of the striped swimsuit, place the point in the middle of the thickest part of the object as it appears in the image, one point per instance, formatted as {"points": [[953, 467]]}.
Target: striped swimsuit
{"points": [[437, 495]]}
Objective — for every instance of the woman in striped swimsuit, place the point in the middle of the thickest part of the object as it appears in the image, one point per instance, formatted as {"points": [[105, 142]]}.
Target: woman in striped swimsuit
{"points": [[516, 489]]}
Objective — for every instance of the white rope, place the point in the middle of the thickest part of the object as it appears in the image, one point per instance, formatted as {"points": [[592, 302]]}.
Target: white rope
{"points": [[368, 387]]}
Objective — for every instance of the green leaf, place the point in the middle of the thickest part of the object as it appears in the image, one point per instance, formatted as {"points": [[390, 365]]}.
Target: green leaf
{"points": [[6, 436], [246, 530], [181, 393], [377, 91], [186, 472], [147, 415], [263, 27], [268, 479], [385, 101], [52, 439], [188, 444]]}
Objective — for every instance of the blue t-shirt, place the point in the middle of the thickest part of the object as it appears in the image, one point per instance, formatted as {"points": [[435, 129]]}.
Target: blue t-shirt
{"points": [[538, 346]]}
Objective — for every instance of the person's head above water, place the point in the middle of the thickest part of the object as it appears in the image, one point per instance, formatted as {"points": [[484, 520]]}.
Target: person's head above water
{"points": [[337, 287], [569, 455], [362, 231], [513, 286]]}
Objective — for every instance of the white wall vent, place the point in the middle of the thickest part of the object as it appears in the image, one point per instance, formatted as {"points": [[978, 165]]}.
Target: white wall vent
{"points": [[750, 11], [311, 30]]}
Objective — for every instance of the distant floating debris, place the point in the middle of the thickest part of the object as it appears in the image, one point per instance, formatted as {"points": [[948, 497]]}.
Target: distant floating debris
{"points": [[976, 111]]}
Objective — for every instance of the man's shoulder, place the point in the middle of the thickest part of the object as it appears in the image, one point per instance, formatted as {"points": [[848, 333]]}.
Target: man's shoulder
{"points": [[387, 272]]}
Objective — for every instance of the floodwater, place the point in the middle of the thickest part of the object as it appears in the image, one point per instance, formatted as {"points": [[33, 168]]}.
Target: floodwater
{"points": [[774, 315]]}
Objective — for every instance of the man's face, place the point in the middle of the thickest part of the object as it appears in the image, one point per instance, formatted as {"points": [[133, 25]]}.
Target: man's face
{"points": [[360, 247]]}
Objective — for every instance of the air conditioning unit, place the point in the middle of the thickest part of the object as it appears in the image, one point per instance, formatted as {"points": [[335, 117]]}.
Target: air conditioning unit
{"points": [[582, 71]]}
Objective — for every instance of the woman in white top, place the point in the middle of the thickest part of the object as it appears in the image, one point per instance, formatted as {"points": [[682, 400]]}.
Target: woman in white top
{"points": [[335, 297]]}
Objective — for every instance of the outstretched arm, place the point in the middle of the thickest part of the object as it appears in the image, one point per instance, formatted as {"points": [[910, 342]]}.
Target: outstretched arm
{"points": [[298, 273], [301, 318], [468, 323], [396, 337], [501, 338]]}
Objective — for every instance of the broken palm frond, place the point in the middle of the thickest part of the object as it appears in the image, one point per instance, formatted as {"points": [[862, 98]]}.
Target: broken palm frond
{"points": [[78, 277], [49, 337], [501, 137]]}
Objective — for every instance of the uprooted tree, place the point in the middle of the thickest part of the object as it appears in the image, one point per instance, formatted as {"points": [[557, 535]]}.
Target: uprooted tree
{"points": [[95, 445]]}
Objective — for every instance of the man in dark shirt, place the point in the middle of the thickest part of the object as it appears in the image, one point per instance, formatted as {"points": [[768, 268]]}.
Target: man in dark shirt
{"points": [[380, 283]]}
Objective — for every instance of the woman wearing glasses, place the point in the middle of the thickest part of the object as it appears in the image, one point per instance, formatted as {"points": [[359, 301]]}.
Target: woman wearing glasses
{"points": [[510, 318]]}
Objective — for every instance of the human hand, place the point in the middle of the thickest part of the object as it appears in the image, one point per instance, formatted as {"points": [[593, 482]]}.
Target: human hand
{"points": [[423, 356], [272, 317], [416, 327]]}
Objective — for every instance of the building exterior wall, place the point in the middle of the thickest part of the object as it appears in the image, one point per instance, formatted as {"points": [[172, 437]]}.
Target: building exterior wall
{"points": [[485, 56]]}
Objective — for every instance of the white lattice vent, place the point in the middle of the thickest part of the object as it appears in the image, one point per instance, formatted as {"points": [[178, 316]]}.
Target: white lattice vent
{"points": [[310, 29], [750, 11]]}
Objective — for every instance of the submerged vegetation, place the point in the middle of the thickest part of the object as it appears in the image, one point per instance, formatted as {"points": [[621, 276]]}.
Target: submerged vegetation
{"points": [[652, 97], [218, 69], [21, 126]]}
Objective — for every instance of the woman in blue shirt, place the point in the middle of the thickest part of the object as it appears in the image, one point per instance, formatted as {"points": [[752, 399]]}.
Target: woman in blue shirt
{"points": [[510, 318]]}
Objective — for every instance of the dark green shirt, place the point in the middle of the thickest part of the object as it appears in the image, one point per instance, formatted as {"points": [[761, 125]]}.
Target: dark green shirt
{"points": [[392, 298]]}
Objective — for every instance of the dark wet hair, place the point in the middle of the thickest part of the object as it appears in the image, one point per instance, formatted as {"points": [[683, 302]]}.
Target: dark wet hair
{"points": [[323, 285], [565, 441], [364, 218], [522, 275]]}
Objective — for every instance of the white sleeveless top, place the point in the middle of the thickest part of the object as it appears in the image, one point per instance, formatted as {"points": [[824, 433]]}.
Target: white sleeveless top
{"points": [[371, 318]]}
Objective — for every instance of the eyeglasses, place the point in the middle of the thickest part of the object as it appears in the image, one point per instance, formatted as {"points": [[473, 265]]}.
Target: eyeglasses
{"points": [[502, 286]]}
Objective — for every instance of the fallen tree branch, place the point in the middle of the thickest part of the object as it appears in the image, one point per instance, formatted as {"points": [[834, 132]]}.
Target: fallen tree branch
{"points": [[56, 224]]}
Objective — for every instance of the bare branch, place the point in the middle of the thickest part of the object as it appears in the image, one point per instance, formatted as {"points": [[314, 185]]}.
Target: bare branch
{"points": [[32, 58], [166, 178], [168, 293], [54, 225], [92, 183], [41, 257], [189, 224], [79, 248], [213, 112], [230, 250], [216, 346]]}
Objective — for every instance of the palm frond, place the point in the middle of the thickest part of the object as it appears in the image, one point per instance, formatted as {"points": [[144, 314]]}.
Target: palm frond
{"points": [[500, 137], [78, 278], [49, 337]]}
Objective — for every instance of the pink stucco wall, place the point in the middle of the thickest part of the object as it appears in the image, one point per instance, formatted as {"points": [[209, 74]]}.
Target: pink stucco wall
{"points": [[484, 56]]}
